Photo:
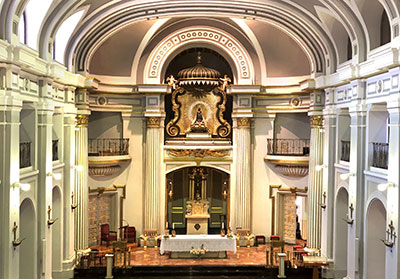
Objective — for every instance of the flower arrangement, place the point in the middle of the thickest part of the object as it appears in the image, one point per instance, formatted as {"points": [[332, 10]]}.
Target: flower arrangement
{"points": [[199, 251], [229, 235]]}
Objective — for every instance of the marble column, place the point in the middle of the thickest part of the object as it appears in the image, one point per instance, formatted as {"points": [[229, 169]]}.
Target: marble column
{"points": [[69, 182], [153, 202], [81, 193], [242, 137], [44, 191], [315, 182], [9, 174]]}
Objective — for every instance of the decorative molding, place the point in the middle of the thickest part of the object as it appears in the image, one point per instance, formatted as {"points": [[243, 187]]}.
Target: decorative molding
{"points": [[82, 120], [316, 121], [198, 153], [243, 123], [103, 170], [200, 34], [153, 122], [292, 171]]}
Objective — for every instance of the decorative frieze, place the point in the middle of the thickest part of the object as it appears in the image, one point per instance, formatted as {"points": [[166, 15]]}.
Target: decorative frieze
{"points": [[198, 153]]}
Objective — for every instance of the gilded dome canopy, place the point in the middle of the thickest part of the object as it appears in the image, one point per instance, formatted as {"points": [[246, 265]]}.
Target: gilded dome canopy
{"points": [[199, 76]]}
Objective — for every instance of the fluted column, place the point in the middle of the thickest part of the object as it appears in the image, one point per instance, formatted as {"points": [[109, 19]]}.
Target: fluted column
{"points": [[315, 183], [81, 194], [242, 137], [153, 173]]}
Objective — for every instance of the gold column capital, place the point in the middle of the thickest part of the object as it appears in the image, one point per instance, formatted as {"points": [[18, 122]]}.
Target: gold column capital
{"points": [[243, 123], [316, 121], [82, 120], [153, 122]]}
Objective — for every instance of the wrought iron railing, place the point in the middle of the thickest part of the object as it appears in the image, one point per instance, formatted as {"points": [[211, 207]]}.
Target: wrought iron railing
{"points": [[108, 147], [345, 155], [292, 147], [25, 154], [380, 155], [55, 150]]}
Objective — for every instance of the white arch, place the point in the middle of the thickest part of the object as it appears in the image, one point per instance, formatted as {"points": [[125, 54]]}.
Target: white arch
{"points": [[199, 34]]}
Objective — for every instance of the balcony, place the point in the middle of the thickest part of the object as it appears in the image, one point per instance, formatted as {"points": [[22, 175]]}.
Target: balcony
{"points": [[107, 155], [380, 155], [25, 154], [290, 156], [345, 154]]}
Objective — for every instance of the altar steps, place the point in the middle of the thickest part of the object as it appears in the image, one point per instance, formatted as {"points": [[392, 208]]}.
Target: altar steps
{"points": [[220, 272]]}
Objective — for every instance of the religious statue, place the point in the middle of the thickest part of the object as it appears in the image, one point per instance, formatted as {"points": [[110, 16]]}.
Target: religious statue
{"points": [[198, 125], [225, 81], [172, 81]]}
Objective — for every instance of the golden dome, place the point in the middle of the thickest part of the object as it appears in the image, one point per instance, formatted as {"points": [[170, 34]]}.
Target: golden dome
{"points": [[199, 76]]}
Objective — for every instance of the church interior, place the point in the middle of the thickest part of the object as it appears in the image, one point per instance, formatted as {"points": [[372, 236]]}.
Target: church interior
{"points": [[166, 138]]}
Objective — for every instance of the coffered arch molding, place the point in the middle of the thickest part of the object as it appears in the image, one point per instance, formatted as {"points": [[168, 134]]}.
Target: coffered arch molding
{"points": [[299, 23], [240, 60]]}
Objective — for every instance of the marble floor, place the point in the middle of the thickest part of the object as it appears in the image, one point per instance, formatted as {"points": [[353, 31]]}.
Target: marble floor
{"points": [[151, 257]]}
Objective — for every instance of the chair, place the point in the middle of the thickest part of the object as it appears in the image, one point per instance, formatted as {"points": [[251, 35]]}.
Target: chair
{"points": [[106, 234], [149, 238], [244, 238], [130, 234]]}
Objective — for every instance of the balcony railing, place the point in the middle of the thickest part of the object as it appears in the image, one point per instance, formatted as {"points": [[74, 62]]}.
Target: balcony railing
{"points": [[380, 155], [345, 155], [55, 150], [289, 147], [25, 154], [108, 147]]}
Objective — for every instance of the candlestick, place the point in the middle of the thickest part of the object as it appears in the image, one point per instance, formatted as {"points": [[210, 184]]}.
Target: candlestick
{"points": [[173, 226], [222, 225], [166, 225]]}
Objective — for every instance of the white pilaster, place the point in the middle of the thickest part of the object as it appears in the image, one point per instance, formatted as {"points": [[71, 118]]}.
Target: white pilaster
{"points": [[392, 214], [356, 189], [328, 171], [69, 183], [315, 177], [154, 143], [44, 191], [81, 192], [9, 173], [242, 138]]}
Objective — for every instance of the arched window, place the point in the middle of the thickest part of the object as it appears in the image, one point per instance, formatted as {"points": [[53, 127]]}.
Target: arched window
{"points": [[22, 29], [63, 34], [349, 49], [385, 29], [35, 12]]}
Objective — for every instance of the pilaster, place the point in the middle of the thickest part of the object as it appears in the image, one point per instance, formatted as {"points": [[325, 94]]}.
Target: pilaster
{"points": [[44, 191], [69, 183], [328, 180], [242, 137], [9, 174], [154, 139], [392, 213], [81, 192], [356, 188], [314, 176]]}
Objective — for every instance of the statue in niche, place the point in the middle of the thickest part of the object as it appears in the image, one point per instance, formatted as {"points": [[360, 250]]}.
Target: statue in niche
{"points": [[198, 125]]}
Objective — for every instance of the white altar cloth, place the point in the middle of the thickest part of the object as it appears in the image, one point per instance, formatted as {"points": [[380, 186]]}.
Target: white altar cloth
{"points": [[184, 243]]}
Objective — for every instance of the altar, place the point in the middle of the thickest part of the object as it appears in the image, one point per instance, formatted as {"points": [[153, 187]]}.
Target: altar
{"points": [[214, 246]]}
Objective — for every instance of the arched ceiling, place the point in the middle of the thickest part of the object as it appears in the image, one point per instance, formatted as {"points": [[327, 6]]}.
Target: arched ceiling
{"points": [[312, 31]]}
